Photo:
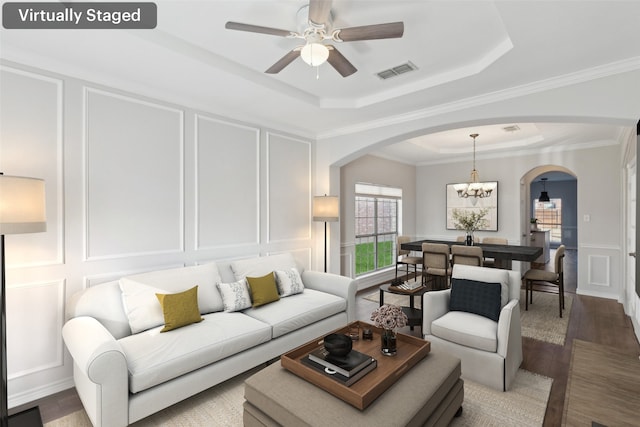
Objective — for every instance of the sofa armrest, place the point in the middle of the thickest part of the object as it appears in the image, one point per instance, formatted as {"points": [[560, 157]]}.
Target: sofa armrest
{"points": [[509, 330], [100, 371], [335, 284], [435, 304]]}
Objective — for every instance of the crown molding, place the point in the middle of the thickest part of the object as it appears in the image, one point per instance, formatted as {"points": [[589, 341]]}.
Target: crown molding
{"points": [[611, 69]]}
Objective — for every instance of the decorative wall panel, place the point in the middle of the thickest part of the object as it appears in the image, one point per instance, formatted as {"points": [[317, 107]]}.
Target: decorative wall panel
{"points": [[134, 176], [31, 145], [289, 175], [599, 270], [35, 314], [227, 183]]}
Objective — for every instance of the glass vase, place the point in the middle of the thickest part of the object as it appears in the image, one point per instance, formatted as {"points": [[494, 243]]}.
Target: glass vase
{"points": [[388, 344], [469, 240]]}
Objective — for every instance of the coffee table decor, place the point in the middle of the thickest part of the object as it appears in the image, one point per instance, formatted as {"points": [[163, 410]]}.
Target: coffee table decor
{"points": [[389, 317], [360, 394]]}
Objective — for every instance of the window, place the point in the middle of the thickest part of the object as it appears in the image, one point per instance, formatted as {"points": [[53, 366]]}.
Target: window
{"points": [[376, 226], [549, 215]]}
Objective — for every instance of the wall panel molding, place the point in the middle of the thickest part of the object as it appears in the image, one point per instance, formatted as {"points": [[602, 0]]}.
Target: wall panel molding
{"points": [[36, 140], [599, 270], [134, 171], [39, 309], [227, 184], [288, 157]]}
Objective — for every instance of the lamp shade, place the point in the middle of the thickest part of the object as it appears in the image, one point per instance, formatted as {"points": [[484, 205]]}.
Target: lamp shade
{"points": [[314, 54], [22, 205], [326, 208], [544, 197]]}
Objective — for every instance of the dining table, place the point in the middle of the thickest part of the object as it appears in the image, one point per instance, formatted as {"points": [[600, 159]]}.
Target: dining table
{"points": [[503, 255]]}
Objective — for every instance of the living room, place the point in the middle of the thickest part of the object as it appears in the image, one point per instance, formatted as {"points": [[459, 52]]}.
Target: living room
{"points": [[157, 152]]}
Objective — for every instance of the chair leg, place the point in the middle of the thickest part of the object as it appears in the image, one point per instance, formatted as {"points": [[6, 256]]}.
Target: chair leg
{"points": [[396, 270], [526, 295], [560, 301]]}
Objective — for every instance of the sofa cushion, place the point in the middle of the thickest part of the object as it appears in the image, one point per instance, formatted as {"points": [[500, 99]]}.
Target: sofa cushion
{"points": [[262, 265], [289, 282], [173, 280], [467, 329], [141, 305], [180, 309], [263, 289], [484, 274], [154, 358], [235, 295], [297, 311], [476, 297]]}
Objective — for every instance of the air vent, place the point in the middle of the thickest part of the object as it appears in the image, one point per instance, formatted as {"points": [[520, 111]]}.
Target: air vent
{"points": [[512, 128], [397, 70]]}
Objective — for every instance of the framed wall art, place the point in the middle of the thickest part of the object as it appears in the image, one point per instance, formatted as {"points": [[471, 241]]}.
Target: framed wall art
{"points": [[490, 203]]}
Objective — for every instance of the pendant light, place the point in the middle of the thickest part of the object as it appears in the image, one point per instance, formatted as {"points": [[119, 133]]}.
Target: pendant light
{"points": [[544, 196]]}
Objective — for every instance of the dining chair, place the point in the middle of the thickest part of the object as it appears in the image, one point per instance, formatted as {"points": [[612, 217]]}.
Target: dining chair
{"points": [[403, 256], [490, 262], [467, 255], [551, 277], [436, 266], [461, 239]]}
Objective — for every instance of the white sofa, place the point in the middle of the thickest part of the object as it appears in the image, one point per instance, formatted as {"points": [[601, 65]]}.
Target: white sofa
{"points": [[122, 377], [490, 351]]}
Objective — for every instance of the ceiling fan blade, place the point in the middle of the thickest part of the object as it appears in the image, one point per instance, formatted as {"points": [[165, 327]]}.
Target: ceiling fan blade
{"points": [[283, 62], [340, 63], [256, 29], [391, 30], [319, 11]]}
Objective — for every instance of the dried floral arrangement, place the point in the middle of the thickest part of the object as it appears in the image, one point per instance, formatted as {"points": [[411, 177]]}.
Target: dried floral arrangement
{"points": [[389, 316]]}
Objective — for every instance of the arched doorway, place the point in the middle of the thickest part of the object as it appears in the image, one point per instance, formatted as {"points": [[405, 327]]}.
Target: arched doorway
{"points": [[557, 218]]}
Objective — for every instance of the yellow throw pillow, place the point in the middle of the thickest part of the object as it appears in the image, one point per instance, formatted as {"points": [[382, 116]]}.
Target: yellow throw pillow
{"points": [[263, 289], [180, 309]]}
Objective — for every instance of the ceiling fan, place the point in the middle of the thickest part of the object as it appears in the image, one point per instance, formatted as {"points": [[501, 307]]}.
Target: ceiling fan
{"points": [[315, 52]]}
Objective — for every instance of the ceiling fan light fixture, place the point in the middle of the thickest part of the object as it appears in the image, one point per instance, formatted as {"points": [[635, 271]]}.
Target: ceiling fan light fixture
{"points": [[314, 54]]}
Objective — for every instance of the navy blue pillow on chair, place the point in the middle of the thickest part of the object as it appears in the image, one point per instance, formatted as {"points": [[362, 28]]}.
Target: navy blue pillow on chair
{"points": [[476, 297]]}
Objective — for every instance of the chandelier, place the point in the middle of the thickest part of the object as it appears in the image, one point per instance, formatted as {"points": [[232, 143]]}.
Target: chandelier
{"points": [[474, 188]]}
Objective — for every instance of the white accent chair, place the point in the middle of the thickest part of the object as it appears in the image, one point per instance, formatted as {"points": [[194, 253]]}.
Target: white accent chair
{"points": [[491, 352]]}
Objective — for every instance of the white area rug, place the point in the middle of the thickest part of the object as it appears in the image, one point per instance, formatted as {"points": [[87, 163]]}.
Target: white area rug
{"points": [[541, 322], [524, 405]]}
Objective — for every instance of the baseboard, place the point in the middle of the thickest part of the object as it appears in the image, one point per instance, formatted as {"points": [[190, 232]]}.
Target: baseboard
{"points": [[590, 293], [34, 394]]}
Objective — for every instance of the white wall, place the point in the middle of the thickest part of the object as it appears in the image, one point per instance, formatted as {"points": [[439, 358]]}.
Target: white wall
{"points": [[133, 184], [373, 170]]}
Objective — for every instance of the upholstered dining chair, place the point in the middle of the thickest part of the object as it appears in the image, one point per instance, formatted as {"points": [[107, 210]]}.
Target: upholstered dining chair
{"points": [[403, 256], [490, 262], [550, 277], [436, 266], [467, 255]]}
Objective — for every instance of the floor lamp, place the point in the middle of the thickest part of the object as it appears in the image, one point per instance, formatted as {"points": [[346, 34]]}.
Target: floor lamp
{"points": [[326, 209], [22, 210]]}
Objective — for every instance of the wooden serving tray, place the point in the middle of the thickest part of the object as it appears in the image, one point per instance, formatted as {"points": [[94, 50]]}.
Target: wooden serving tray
{"points": [[360, 394]]}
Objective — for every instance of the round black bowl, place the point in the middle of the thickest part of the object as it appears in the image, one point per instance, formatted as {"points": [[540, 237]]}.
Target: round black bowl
{"points": [[338, 344]]}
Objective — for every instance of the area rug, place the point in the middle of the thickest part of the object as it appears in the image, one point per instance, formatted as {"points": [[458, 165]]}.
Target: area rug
{"points": [[541, 322], [524, 405]]}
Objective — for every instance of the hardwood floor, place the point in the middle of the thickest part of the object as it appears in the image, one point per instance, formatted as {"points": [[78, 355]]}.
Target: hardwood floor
{"points": [[597, 320]]}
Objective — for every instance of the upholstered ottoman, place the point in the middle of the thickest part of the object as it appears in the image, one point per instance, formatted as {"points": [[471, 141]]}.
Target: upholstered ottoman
{"points": [[429, 394]]}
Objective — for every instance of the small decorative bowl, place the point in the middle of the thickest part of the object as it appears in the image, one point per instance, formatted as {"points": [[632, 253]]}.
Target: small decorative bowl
{"points": [[338, 344]]}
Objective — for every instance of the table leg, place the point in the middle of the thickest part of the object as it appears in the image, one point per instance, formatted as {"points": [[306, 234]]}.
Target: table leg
{"points": [[381, 297]]}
